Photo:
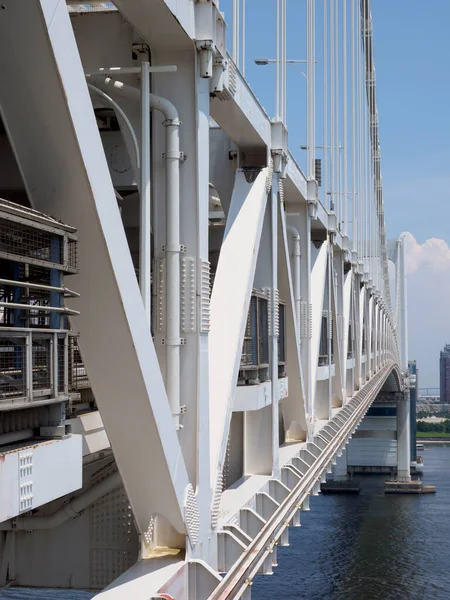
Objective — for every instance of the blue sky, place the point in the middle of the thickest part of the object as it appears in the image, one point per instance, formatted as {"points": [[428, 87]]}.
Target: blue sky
{"points": [[412, 49], [412, 52]]}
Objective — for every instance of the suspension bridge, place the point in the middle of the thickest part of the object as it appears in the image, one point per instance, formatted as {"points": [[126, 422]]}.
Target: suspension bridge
{"points": [[230, 336]]}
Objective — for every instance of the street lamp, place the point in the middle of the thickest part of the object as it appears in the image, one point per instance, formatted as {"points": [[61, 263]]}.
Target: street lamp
{"points": [[322, 148], [262, 61], [265, 61], [281, 84]]}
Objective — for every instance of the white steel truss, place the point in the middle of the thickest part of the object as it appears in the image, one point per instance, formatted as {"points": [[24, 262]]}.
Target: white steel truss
{"points": [[271, 329]]}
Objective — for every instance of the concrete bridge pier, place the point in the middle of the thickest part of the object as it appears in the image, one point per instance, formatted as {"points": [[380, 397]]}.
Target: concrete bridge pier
{"points": [[403, 483], [340, 481], [340, 470], [403, 438]]}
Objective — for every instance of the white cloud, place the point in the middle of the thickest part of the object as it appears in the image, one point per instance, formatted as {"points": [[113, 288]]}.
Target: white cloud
{"points": [[428, 268], [434, 254]]}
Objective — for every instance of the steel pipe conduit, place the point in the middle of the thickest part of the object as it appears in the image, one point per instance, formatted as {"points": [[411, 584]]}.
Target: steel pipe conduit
{"points": [[172, 247], [118, 110]]}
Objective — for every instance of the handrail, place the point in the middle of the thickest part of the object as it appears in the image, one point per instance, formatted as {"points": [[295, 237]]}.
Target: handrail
{"points": [[38, 307], [36, 330], [39, 286]]}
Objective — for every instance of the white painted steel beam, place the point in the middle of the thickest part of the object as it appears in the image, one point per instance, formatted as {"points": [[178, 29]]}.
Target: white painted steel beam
{"points": [[240, 114], [230, 302], [75, 186], [318, 275], [340, 358], [295, 181], [347, 298], [294, 406], [156, 20], [38, 473]]}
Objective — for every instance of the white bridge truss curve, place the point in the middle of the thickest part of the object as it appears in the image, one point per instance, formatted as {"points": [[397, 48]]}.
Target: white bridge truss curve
{"points": [[272, 331]]}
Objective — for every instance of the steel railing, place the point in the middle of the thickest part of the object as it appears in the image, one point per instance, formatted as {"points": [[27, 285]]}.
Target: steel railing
{"points": [[33, 365]]}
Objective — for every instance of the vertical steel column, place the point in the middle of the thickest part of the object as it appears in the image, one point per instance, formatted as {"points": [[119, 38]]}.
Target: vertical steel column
{"points": [[235, 43], [337, 160], [325, 103], [274, 317], [403, 317], [365, 141], [360, 143], [332, 97], [29, 365], [283, 60], [66, 363], [344, 42], [330, 278], [310, 76], [243, 38], [306, 287], [55, 281], [54, 358], [145, 229], [353, 107], [277, 61]]}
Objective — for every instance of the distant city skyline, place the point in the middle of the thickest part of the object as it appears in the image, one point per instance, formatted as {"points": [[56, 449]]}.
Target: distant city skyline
{"points": [[444, 367]]}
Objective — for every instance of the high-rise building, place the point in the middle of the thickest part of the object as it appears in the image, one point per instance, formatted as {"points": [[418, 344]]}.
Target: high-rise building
{"points": [[413, 390], [444, 364]]}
